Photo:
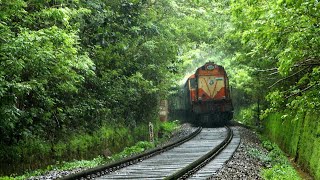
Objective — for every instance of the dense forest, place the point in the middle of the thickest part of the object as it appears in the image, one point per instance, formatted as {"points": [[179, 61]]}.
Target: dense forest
{"points": [[70, 67]]}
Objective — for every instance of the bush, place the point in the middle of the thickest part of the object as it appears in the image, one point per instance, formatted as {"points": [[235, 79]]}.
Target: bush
{"points": [[281, 167], [248, 116], [166, 128], [283, 172]]}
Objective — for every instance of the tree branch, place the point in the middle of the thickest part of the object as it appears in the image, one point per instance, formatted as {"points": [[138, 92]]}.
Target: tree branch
{"points": [[273, 73], [303, 90], [307, 62], [286, 77], [266, 70]]}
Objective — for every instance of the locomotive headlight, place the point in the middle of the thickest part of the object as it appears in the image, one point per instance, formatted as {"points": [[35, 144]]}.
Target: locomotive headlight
{"points": [[210, 67]]}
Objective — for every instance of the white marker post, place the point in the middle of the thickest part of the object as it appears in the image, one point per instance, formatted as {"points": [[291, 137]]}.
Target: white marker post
{"points": [[151, 134]]}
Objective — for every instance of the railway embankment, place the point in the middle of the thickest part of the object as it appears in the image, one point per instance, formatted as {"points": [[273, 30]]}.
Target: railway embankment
{"points": [[298, 134], [255, 158]]}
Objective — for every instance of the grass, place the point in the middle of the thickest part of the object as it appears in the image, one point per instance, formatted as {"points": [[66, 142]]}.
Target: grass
{"points": [[61, 166], [280, 167], [165, 129], [281, 171]]}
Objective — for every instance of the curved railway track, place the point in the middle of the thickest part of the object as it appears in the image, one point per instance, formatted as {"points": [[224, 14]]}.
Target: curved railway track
{"points": [[196, 157], [209, 168]]}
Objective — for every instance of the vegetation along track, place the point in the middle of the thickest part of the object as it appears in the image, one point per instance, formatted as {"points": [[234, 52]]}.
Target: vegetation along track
{"points": [[183, 161]]}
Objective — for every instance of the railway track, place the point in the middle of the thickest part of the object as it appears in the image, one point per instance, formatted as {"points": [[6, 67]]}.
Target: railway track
{"points": [[196, 157], [212, 167]]}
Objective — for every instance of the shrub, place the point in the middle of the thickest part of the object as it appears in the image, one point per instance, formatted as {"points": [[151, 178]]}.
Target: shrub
{"points": [[281, 167], [283, 172], [248, 115], [166, 128]]}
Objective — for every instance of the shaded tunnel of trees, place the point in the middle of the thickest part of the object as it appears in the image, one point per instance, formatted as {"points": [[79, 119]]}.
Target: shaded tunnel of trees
{"points": [[75, 66]]}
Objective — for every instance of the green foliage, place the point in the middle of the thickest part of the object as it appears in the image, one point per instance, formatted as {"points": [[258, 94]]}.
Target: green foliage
{"points": [[169, 126], [137, 148], [284, 172], [107, 135], [296, 133], [61, 166], [80, 164], [248, 116], [111, 139], [259, 155], [166, 128], [7, 178], [280, 166], [75, 66], [273, 46], [271, 49], [268, 145]]}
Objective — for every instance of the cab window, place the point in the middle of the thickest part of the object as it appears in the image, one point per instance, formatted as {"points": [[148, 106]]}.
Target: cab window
{"points": [[193, 83]]}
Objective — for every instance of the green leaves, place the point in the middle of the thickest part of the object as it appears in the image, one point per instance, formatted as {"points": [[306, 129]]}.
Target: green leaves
{"points": [[11, 8], [278, 40], [75, 65], [40, 65]]}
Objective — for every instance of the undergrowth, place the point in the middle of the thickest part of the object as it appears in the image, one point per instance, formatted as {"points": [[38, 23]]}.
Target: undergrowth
{"points": [[165, 128], [277, 165]]}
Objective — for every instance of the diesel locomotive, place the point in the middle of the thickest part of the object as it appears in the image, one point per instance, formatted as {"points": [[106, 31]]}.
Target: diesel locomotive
{"points": [[205, 97]]}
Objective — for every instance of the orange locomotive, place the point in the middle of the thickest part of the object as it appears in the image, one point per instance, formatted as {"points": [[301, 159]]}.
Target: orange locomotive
{"points": [[208, 96]]}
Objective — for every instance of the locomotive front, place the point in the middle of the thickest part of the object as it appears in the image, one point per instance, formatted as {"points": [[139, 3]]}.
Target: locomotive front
{"points": [[209, 95]]}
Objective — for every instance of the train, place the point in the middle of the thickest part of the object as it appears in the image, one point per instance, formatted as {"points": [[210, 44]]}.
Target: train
{"points": [[205, 97]]}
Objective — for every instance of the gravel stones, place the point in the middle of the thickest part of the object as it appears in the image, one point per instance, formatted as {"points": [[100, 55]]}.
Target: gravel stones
{"points": [[243, 165], [185, 130], [56, 174]]}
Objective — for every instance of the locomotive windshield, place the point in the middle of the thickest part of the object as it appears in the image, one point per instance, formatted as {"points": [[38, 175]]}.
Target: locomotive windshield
{"points": [[193, 84]]}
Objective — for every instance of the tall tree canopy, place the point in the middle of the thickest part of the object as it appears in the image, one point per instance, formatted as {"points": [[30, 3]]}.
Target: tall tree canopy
{"points": [[75, 65], [279, 42]]}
